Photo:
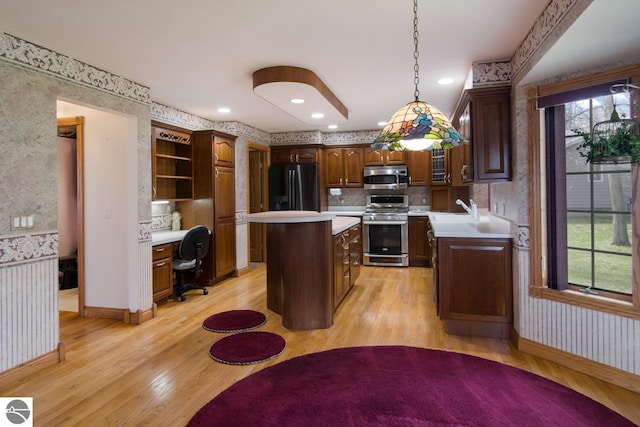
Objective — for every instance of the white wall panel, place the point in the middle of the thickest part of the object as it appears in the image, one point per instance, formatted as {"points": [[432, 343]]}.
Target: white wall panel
{"points": [[29, 323]]}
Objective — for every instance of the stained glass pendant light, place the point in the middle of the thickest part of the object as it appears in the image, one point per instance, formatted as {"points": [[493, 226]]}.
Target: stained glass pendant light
{"points": [[417, 126]]}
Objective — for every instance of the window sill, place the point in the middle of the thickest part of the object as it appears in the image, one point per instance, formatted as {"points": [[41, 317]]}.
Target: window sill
{"points": [[592, 302]]}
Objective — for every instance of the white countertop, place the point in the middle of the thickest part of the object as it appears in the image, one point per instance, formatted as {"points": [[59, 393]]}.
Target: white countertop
{"points": [[341, 223], [162, 237], [289, 216], [463, 225], [338, 223]]}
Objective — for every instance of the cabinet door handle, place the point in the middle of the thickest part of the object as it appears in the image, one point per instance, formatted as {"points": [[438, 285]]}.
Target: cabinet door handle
{"points": [[346, 181], [340, 181], [463, 172], [447, 178], [161, 264], [216, 172], [215, 156]]}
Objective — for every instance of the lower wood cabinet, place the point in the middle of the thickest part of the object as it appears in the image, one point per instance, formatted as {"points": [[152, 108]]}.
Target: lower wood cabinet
{"points": [[162, 272], [347, 249], [419, 249], [474, 286]]}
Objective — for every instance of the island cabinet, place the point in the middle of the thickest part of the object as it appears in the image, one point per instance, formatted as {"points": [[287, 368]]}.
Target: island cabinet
{"points": [[474, 286], [295, 154], [341, 263], [355, 249], [214, 201], [419, 249], [483, 117], [171, 166], [299, 274], [344, 166], [378, 157], [162, 256], [347, 248]]}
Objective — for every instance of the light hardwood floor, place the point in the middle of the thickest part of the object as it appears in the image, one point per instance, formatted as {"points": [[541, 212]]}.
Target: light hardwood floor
{"points": [[159, 373]]}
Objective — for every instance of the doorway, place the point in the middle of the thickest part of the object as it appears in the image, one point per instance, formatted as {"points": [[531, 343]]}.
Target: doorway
{"points": [[70, 214], [258, 199]]}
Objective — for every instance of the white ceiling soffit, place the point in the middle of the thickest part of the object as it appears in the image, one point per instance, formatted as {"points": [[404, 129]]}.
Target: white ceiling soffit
{"points": [[607, 32], [280, 85]]}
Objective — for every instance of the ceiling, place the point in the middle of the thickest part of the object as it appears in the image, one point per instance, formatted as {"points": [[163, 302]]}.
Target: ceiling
{"points": [[199, 55]]}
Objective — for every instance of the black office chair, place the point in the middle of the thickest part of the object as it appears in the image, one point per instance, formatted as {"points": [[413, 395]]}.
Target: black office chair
{"points": [[193, 248]]}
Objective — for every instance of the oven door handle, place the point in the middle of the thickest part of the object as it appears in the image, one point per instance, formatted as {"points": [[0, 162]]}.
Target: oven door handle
{"points": [[384, 222]]}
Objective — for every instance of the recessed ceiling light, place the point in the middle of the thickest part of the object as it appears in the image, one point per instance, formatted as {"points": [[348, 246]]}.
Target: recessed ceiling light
{"points": [[333, 126], [382, 123], [224, 110], [317, 115], [445, 81], [297, 101]]}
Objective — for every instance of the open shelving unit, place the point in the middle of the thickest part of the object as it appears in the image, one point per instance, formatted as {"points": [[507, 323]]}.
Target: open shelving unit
{"points": [[172, 165]]}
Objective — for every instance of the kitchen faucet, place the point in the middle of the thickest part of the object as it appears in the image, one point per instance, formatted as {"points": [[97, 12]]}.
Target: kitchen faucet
{"points": [[473, 210]]}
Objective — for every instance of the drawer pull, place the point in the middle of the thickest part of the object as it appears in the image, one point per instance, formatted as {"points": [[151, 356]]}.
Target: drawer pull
{"points": [[161, 264], [159, 249]]}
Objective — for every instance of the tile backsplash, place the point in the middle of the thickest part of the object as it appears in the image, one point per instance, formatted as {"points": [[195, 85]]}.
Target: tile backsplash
{"points": [[161, 216]]}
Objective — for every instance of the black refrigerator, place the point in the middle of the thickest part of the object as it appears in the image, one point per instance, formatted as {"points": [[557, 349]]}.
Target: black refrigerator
{"points": [[294, 187]]}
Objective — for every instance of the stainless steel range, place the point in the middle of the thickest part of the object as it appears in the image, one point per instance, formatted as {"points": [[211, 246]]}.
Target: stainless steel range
{"points": [[386, 230]]}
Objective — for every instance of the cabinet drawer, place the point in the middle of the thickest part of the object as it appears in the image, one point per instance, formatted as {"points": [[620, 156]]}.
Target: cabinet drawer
{"points": [[162, 251]]}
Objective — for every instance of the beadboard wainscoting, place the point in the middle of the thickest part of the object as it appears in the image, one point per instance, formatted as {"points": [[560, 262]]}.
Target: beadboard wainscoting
{"points": [[589, 334], [29, 325]]}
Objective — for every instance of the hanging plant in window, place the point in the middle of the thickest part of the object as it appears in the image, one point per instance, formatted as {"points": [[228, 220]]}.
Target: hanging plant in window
{"points": [[613, 141]]}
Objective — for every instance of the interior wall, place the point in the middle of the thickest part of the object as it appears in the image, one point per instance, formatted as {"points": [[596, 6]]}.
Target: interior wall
{"points": [[67, 197]]}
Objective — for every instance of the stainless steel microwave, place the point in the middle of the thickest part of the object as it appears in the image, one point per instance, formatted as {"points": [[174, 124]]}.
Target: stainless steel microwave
{"points": [[385, 177]]}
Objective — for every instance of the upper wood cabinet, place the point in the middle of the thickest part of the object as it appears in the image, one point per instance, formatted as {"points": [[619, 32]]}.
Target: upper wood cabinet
{"points": [[295, 154], [440, 173], [223, 151], [483, 116], [418, 167], [375, 156], [344, 166], [172, 168]]}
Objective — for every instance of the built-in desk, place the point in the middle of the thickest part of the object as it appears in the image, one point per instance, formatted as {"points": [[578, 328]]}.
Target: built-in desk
{"points": [[164, 244], [300, 266]]}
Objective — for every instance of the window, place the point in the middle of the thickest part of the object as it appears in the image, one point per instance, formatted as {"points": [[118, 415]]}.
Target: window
{"points": [[589, 226], [589, 205]]}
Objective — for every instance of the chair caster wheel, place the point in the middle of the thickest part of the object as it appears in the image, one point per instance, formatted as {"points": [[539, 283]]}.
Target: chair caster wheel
{"points": [[182, 297], [205, 291]]}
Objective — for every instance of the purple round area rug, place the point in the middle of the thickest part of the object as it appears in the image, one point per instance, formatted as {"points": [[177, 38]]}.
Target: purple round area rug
{"points": [[247, 347], [400, 386], [234, 321]]}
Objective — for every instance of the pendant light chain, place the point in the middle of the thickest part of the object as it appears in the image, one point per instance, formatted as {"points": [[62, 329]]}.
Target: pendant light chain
{"points": [[416, 67]]}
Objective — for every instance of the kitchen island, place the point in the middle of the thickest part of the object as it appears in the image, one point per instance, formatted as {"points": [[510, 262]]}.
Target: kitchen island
{"points": [[300, 265]]}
